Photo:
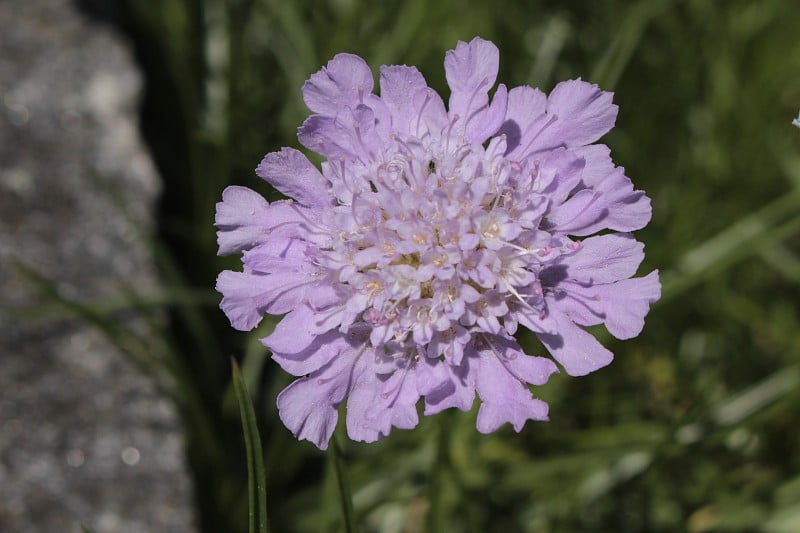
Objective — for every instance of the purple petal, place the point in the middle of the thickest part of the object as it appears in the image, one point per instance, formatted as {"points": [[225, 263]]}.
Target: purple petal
{"points": [[375, 406], [246, 297], [327, 319], [625, 209], [432, 377], [598, 163], [342, 83], [278, 256], [292, 334], [399, 86], [583, 210], [614, 204], [525, 106], [323, 349], [432, 116], [578, 114], [564, 169], [309, 406], [349, 135], [590, 211], [246, 220], [242, 218], [622, 305], [528, 368], [292, 174], [601, 259], [504, 397], [487, 123], [536, 321], [460, 393], [577, 351], [471, 70]]}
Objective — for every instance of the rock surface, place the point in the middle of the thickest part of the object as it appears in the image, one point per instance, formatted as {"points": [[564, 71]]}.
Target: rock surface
{"points": [[84, 438]]}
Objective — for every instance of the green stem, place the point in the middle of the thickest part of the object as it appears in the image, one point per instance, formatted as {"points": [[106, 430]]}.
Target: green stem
{"points": [[345, 497], [435, 519]]}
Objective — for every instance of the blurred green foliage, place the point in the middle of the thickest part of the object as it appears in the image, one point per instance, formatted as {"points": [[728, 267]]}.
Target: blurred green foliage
{"points": [[693, 426]]}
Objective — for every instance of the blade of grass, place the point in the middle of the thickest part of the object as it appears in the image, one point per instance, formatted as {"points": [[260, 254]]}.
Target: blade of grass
{"points": [[742, 239], [618, 54], [135, 347], [154, 360], [757, 397], [783, 261], [257, 482], [345, 496], [151, 302]]}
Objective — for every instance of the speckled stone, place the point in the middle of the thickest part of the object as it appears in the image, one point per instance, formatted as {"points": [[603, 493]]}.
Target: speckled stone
{"points": [[84, 437]]}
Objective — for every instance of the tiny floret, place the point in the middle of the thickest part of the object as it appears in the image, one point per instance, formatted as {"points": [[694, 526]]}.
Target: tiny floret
{"points": [[405, 265]]}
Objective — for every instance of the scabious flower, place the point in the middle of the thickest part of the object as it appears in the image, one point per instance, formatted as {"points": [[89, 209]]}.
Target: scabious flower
{"points": [[406, 264]]}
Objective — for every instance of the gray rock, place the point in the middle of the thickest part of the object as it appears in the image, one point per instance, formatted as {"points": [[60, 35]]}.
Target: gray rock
{"points": [[84, 437]]}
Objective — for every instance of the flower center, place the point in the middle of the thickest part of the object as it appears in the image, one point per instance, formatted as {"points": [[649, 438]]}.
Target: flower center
{"points": [[442, 240]]}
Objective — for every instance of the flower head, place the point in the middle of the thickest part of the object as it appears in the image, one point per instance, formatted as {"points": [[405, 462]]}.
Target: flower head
{"points": [[406, 264]]}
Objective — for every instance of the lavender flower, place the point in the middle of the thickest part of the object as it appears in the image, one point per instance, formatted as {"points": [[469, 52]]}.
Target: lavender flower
{"points": [[405, 266]]}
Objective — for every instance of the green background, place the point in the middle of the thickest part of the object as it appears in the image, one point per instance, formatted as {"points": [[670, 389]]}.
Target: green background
{"points": [[692, 428]]}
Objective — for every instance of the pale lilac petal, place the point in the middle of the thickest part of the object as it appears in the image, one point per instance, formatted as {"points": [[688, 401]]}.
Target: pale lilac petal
{"points": [[525, 106], [327, 319], [432, 377], [374, 406], [487, 123], [583, 210], [292, 334], [576, 350], [610, 204], [399, 87], [246, 297], [342, 83], [624, 208], [560, 173], [323, 349], [504, 398], [349, 135], [460, 393], [325, 296], [471, 70], [432, 117], [244, 220], [528, 368], [622, 305], [279, 256], [598, 163], [615, 205], [380, 129], [536, 321], [309, 406], [327, 136], [578, 113], [292, 174], [601, 259]]}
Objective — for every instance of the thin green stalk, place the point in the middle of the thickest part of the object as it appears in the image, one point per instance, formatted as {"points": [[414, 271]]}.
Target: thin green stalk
{"points": [[257, 486], [345, 497], [435, 518]]}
